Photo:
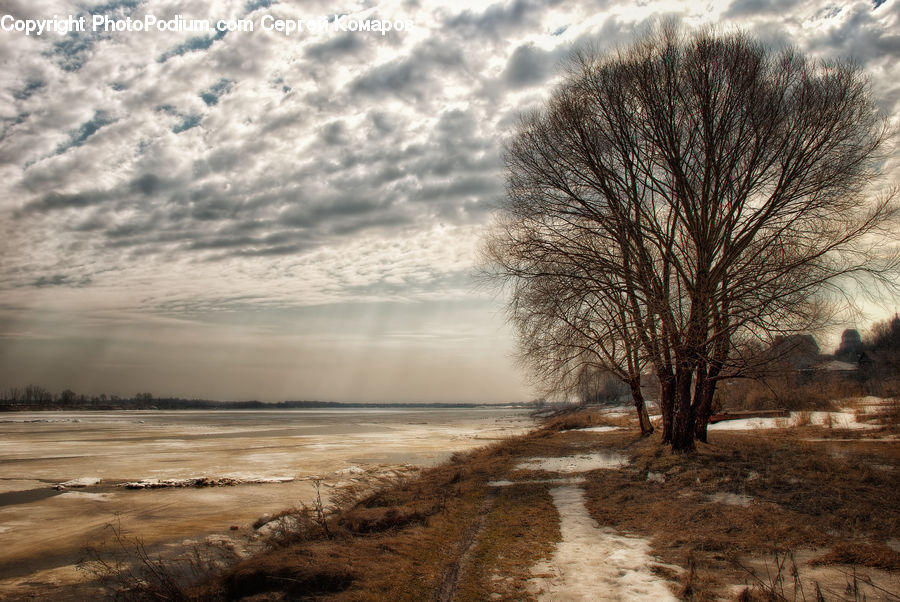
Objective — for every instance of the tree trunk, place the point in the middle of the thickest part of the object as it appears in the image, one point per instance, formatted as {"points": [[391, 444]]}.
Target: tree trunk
{"points": [[703, 401], [683, 422], [666, 403], [643, 418]]}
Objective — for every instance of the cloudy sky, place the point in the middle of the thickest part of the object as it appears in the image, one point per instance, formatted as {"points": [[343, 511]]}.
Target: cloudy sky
{"points": [[250, 215]]}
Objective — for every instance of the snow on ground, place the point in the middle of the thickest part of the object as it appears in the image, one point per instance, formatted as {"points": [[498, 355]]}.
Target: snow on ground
{"points": [[590, 563], [80, 482], [594, 564], [598, 429], [840, 420], [569, 464], [568, 481], [84, 495], [731, 499]]}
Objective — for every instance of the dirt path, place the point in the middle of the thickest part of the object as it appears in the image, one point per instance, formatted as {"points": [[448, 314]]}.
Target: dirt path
{"points": [[455, 573], [591, 563]]}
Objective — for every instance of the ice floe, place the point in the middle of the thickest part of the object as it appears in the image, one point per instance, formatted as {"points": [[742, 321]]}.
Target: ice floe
{"points": [[202, 482], [79, 482]]}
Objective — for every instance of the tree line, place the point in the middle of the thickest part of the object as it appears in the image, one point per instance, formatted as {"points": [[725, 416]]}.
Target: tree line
{"points": [[35, 397]]}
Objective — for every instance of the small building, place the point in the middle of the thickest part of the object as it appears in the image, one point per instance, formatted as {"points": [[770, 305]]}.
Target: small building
{"points": [[851, 347], [795, 352]]}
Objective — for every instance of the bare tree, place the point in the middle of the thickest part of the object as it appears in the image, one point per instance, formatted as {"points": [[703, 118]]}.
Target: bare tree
{"points": [[571, 320], [36, 394], [709, 189]]}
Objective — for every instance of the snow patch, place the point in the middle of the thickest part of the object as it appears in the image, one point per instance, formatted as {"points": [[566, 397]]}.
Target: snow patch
{"points": [[839, 420], [730, 499], [79, 482], [599, 429], [594, 564], [350, 470], [570, 464], [225, 481], [84, 495], [569, 481]]}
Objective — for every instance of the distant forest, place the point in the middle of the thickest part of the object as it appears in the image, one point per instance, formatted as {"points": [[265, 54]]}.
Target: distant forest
{"points": [[34, 397]]}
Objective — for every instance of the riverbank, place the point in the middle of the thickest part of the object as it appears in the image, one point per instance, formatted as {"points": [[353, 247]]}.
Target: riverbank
{"points": [[65, 477], [584, 508], [758, 514]]}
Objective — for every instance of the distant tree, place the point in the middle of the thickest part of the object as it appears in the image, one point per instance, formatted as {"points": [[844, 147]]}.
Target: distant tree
{"points": [[36, 394], [698, 192], [14, 395], [882, 345], [68, 396], [600, 387]]}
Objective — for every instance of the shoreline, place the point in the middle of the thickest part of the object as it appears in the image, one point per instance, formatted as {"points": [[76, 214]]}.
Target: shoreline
{"points": [[125, 447], [492, 520]]}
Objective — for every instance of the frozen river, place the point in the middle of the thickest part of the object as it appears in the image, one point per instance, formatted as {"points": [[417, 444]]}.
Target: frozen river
{"points": [[42, 529]]}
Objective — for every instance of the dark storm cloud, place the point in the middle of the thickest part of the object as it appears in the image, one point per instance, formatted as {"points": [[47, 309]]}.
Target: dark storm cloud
{"points": [[55, 200], [384, 123], [745, 8], [62, 280], [498, 18], [347, 44], [149, 184], [93, 223], [132, 193], [528, 65], [413, 75], [325, 212], [166, 213], [334, 133], [225, 242], [474, 188]]}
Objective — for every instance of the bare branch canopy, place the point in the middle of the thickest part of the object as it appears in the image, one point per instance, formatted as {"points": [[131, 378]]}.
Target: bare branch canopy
{"points": [[680, 196]]}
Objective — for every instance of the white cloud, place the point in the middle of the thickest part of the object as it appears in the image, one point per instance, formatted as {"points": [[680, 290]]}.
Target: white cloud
{"points": [[158, 173]]}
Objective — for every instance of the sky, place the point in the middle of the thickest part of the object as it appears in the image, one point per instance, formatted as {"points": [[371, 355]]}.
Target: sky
{"points": [[256, 215]]}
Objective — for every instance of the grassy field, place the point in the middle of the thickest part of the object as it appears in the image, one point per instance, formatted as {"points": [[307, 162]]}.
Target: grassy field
{"points": [[801, 513]]}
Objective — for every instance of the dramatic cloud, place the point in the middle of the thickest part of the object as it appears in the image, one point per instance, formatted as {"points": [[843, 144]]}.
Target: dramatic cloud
{"points": [[203, 196]]}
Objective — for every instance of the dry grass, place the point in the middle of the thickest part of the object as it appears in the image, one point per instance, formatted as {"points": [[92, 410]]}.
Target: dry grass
{"points": [[799, 495], [400, 541], [789, 392], [446, 534], [877, 556], [519, 531]]}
